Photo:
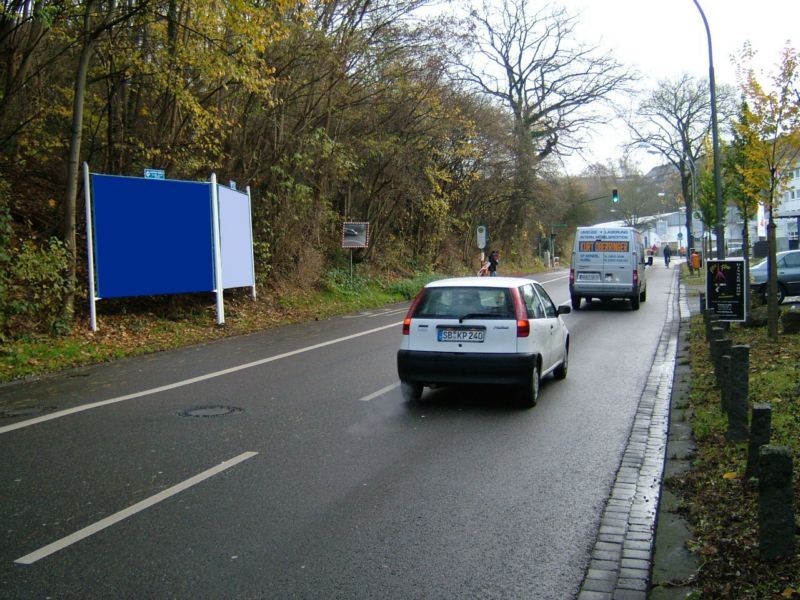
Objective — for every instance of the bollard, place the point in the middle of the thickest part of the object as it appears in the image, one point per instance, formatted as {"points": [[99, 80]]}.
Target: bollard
{"points": [[711, 321], [723, 348], [760, 433], [776, 524], [716, 334], [723, 382], [738, 393]]}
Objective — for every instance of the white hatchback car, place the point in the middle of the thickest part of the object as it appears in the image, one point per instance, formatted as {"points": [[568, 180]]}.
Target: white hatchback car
{"points": [[483, 330]]}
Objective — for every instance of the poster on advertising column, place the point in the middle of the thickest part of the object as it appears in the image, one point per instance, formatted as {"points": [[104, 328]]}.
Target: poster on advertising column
{"points": [[726, 289]]}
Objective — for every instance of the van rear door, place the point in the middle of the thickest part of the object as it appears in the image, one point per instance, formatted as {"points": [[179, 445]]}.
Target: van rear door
{"points": [[618, 261], [602, 261]]}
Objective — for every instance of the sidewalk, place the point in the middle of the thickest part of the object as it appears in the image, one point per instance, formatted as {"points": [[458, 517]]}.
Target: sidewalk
{"points": [[673, 564], [640, 552]]}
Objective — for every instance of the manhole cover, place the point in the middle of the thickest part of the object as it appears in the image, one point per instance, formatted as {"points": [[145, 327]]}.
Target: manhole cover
{"points": [[26, 411], [210, 411]]}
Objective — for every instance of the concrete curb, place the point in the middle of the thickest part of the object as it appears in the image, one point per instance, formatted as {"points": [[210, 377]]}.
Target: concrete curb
{"points": [[623, 556]]}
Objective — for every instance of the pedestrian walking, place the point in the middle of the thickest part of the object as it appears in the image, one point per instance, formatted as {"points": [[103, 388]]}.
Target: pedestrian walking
{"points": [[667, 255], [494, 260]]}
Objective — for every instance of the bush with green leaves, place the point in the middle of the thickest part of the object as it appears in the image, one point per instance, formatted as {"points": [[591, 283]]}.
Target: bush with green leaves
{"points": [[408, 288], [36, 288]]}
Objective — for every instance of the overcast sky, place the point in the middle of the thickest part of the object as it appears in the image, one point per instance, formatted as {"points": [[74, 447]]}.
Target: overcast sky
{"points": [[664, 38]]}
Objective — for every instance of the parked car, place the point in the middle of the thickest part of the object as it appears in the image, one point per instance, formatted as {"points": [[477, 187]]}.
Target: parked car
{"points": [[788, 267], [483, 330]]}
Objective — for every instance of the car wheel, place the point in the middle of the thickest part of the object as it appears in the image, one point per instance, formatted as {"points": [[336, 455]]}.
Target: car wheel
{"points": [[576, 302], [530, 393], [781, 293], [411, 391], [560, 371], [635, 302], [643, 295], [764, 292]]}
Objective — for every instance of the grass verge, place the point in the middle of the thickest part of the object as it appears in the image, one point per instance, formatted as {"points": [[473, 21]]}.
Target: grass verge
{"points": [[720, 504]]}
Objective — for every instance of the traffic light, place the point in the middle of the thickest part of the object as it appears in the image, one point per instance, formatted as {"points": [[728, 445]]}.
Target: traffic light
{"points": [[615, 196]]}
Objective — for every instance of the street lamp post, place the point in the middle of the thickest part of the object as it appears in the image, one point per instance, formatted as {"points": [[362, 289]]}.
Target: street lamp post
{"points": [[720, 229], [690, 234]]}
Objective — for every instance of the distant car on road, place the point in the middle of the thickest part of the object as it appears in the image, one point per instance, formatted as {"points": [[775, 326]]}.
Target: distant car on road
{"points": [[482, 330], [788, 267]]}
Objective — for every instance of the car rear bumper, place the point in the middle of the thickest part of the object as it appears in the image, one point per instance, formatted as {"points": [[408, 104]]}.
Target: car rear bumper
{"points": [[428, 368], [603, 291]]}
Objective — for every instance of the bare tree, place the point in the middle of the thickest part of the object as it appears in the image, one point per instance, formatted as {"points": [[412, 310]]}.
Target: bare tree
{"points": [[529, 61], [673, 120]]}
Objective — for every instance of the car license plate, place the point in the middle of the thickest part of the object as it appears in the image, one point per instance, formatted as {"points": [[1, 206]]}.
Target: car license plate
{"points": [[589, 276], [460, 335]]}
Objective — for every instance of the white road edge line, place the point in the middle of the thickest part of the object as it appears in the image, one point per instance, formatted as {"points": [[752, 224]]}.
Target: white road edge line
{"points": [[31, 558], [380, 392], [172, 386]]}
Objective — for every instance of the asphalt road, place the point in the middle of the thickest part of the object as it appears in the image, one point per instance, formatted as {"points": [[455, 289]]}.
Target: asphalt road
{"points": [[286, 464]]}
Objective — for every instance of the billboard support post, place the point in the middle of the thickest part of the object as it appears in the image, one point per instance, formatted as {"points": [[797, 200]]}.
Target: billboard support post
{"points": [[89, 246], [250, 220], [217, 250]]}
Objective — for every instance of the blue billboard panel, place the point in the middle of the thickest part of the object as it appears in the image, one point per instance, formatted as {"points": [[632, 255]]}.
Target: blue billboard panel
{"points": [[151, 236]]}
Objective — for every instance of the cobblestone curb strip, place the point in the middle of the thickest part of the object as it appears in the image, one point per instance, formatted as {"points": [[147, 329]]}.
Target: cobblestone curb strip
{"points": [[619, 568]]}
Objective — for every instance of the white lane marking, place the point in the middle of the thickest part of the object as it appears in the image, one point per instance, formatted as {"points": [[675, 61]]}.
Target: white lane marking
{"points": [[31, 558], [554, 279], [172, 386], [390, 312], [380, 392]]}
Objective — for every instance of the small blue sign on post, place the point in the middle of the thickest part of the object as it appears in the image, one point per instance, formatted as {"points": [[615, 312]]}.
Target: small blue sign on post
{"points": [[154, 174]]}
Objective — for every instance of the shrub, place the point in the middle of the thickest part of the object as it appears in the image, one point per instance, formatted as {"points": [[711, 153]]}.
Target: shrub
{"points": [[37, 287]]}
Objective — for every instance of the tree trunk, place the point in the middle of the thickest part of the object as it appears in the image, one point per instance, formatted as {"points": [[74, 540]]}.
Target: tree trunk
{"points": [[772, 278], [73, 168]]}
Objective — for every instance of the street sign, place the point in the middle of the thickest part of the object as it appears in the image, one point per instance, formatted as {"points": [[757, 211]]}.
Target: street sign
{"points": [[355, 234], [481, 233], [680, 235], [154, 174]]}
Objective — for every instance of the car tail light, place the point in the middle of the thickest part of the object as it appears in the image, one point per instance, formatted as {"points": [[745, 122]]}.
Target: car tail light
{"points": [[407, 326], [523, 328], [409, 314], [523, 325]]}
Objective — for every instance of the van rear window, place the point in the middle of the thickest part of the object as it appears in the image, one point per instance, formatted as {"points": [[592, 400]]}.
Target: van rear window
{"points": [[603, 246]]}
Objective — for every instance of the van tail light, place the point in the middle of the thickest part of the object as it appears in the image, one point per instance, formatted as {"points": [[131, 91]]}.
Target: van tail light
{"points": [[523, 325], [572, 276], [635, 278], [410, 313]]}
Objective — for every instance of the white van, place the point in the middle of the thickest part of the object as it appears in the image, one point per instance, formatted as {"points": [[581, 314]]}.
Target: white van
{"points": [[608, 262]]}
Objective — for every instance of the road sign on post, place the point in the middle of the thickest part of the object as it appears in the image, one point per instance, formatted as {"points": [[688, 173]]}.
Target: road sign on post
{"points": [[481, 234]]}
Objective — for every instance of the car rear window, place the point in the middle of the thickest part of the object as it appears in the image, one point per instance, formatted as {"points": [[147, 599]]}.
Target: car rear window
{"points": [[455, 302]]}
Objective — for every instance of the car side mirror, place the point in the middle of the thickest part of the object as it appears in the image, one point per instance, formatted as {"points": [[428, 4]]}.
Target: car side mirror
{"points": [[563, 309]]}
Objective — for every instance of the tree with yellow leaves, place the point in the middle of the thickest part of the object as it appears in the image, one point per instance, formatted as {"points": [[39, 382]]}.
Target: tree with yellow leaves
{"points": [[773, 134]]}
